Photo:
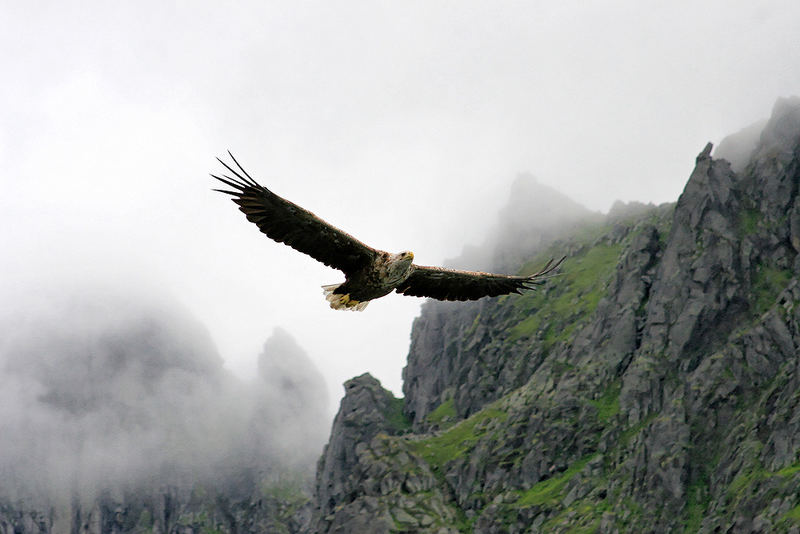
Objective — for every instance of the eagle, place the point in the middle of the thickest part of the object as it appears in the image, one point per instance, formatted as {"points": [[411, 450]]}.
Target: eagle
{"points": [[369, 273]]}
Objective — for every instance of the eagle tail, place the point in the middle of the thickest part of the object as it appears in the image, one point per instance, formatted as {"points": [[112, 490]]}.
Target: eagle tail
{"points": [[341, 301]]}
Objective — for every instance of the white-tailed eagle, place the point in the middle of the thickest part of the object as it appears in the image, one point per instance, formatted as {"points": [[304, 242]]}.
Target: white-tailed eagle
{"points": [[369, 273]]}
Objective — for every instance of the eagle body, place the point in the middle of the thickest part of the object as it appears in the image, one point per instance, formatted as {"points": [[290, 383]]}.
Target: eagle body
{"points": [[369, 273], [385, 273]]}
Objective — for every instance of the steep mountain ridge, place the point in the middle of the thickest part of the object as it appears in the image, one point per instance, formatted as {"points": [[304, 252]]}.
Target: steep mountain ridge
{"points": [[650, 388]]}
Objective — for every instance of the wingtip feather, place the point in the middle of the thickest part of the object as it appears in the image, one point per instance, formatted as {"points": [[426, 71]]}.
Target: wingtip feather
{"points": [[231, 193], [241, 168], [249, 182], [227, 180]]}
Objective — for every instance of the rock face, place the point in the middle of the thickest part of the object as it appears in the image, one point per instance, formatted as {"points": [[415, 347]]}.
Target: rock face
{"points": [[365, 480], [738, 148], [452, 344], [652, 387]]}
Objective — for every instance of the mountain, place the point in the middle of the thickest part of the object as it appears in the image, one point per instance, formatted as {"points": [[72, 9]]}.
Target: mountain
{"points": [[531, 206], [652, 387], [117, 416]]}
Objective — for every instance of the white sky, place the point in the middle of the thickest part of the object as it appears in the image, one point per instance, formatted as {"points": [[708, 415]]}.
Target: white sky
{"points": [[404, 123]]}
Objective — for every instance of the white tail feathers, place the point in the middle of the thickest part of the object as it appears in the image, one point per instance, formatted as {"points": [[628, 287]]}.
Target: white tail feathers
{"points": [[342, 302]]}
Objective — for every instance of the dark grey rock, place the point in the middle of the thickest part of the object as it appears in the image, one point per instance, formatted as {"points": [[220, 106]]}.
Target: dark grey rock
{"points": [[670, 406]]}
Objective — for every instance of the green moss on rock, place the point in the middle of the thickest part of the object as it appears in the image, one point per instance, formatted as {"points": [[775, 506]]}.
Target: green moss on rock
{"points": [[446, 411], [550, 491], [458, 439]]}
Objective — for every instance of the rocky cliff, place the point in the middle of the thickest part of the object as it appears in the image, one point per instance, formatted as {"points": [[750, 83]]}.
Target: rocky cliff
{"points": [[654, 386]]}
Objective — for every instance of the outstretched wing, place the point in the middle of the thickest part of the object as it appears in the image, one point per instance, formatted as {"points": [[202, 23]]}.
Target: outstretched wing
{"points": [[449, 284], [288, 223]]}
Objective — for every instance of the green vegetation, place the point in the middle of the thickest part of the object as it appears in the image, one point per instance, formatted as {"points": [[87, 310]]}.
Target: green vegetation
{"points": [[753, 477], [767, 285], [748, 221], [591, 232], [145, 519], [557, 312], [200, 522], [607, 404], [398, 420], [526, 328], [549, 491], [583, 517], [744, 480], [630, 433], [446, 411], [458, 439], [208, 529], [790, 471], [696, 504], [286, 491], [793, 514]]}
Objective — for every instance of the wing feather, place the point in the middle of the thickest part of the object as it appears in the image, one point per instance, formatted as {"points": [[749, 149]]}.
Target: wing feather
{"points": [[450, 284], [292, 225]]}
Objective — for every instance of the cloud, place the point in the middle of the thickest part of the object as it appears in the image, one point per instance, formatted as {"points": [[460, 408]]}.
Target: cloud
{"points": [[118, 389]]}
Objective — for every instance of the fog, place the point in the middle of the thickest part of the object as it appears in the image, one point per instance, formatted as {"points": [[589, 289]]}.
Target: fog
{"points": [[403, 123], [106, 390], [533, 217]]}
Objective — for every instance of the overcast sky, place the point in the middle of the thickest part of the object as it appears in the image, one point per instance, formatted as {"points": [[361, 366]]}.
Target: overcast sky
{"points": [[404, 123]]}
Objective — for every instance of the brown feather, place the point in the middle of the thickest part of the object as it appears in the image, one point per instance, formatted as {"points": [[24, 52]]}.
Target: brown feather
{"points": [[292, 225], [451, 284]]}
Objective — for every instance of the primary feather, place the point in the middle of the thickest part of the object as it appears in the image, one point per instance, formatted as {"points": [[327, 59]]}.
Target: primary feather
{"points": [[288, 223]]}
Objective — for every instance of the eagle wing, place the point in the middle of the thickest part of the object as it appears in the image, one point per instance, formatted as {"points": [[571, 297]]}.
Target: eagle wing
{"points": [[292, 225], [450, 284]]}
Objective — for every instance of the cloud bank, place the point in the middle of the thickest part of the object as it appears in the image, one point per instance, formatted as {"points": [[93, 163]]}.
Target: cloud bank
{"points": [[104, 390]]}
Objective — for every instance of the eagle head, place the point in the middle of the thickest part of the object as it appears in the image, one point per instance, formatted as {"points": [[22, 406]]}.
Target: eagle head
{"points": [[399, 266]]}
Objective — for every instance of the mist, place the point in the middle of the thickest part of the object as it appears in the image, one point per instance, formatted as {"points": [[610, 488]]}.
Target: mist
{"points": [[404, 124], [111, 390], [533, 216]]}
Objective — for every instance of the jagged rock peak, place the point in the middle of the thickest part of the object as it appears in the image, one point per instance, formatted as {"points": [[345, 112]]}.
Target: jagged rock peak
{"points": [[366, 410], [534, 215], [778, 133], [782, 131], [289, 377], [652, 389], [738, 148]]}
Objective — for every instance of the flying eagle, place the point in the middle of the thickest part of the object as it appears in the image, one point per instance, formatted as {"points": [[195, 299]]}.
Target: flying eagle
{"points": [[369, 273]]}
